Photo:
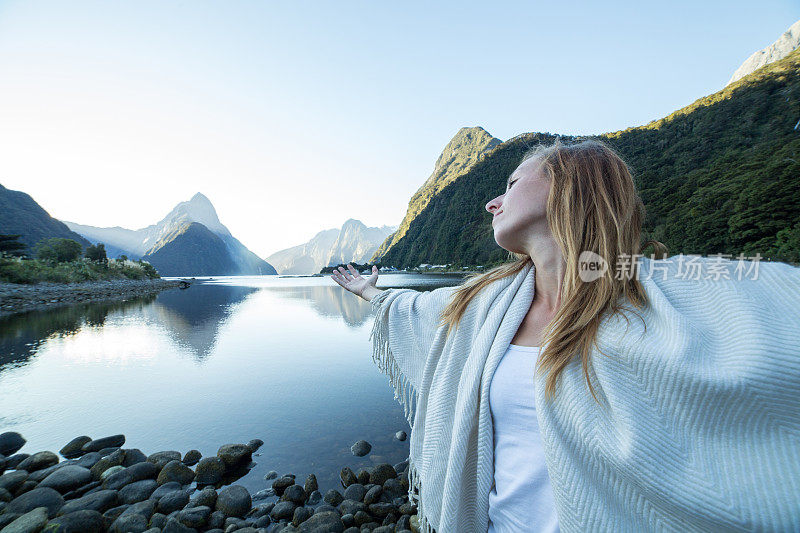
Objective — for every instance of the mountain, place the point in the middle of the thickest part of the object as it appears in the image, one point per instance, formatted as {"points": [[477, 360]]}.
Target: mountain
{"points": [[720, 175], [458, 156], [353, 242], [189, 241], [781, 48], [21, 215]]}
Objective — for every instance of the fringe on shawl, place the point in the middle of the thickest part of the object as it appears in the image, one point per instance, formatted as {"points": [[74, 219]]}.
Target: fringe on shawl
{"points": [[403, 392]]}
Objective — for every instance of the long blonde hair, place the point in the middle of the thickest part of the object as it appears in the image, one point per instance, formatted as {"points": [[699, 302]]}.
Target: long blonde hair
{"points": [[592, 205]]}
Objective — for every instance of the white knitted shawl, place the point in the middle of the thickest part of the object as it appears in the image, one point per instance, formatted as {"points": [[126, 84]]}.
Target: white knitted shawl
{"points": [[699, 426]]}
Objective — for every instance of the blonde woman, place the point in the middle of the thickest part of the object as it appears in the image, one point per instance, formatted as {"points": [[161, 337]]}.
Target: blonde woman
{"points": [[661, 393]]}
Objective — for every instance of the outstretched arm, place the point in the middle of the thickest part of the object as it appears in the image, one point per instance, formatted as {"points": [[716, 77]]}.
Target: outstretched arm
{"points": [[353, 282]]}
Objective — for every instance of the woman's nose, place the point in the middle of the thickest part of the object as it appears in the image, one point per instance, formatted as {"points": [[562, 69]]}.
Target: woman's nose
{"points": [[494, 204]]}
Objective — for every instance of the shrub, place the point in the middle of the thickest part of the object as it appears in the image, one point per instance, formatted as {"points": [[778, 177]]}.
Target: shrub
{"points": [[57, 250]]}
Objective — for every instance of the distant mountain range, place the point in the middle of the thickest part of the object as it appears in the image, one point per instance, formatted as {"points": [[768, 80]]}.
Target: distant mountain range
{"points": [[189, 241], [21, 215], [785, 45], [353, 242]]}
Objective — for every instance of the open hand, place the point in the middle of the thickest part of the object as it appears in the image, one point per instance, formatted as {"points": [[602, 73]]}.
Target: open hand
{"points": [[353, 281]]}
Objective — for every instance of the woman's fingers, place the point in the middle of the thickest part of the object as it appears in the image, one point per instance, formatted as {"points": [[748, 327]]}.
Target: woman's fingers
{"points": [[345, 274], [353, 270]]}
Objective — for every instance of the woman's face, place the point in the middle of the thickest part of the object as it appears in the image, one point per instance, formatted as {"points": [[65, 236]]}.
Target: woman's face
{"points": [[520, 213]]}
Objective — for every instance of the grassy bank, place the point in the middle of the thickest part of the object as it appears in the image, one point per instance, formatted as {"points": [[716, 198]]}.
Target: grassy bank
{"points": [[28, 271]]}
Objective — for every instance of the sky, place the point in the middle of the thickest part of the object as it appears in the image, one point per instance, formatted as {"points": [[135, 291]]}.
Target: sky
{"points": [[292, 117]]}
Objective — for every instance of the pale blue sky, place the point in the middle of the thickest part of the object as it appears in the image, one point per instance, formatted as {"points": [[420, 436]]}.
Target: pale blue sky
{"points": [[294, 116]]}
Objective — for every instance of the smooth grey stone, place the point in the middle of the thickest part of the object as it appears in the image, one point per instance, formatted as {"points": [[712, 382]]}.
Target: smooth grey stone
{"points": [[333, 497], [261, 510], [14, 460], [158, 520], [109, 451], [166, 488], [11, 481], [112, 514], [216, 520], [383, 529], [194, 516], [3, 462], [100, 501], [323, 522], [209, 471], [206, 497], [114, 459], [133, 523], [173, 501], [399, 467], [282, 510], [234, 455], [145, 508], [265, 493], [175, 471], [404, 522], [116, 479], [352, 529], [301, 514], [29, 522], [271, 475], [380, 509], [348, 477], [11, 442], [262, 521], [174, 526], [113, 441], [93, 486], [314, 498], [295, 494], [67, 478], [143, 470], [356, 492], [393, 488], [39, 475], [133, 456], [74, 447], [111, 471], [7, 518], [372, 495], [361, 448], [348, 520], [311, 484], [255, 444], [281, 484], [78, 522], [137, 491], [352, 507], [88, 460], [38, 497], [162, 458], [401, 436], [5, 496], [191, 457], [324, 508], [234, 501], [381, 472], [38, 461], [26, 486]]}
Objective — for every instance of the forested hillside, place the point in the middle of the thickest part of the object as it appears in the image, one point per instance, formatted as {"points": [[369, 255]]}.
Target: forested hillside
{"points": [[719, 176]]}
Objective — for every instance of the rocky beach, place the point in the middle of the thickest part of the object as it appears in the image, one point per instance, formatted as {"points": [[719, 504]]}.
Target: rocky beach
{"points": [[101, 486], [18, 298]]}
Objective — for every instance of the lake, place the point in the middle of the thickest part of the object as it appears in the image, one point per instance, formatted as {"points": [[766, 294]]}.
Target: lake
{"points": [[287, 360]]}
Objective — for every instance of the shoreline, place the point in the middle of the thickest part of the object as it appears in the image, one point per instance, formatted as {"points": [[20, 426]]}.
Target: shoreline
{"points": [[102, 486], [19, 298]]}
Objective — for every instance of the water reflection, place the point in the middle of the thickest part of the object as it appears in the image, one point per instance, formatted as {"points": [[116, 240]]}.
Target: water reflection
{"points": [[333, 302], [21, 335], [195, 316]]}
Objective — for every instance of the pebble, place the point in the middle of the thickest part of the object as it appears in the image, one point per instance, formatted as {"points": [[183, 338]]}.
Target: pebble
{"points": [[361, 448]]}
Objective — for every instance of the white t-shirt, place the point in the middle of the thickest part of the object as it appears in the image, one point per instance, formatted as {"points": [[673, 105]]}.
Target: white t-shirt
{"points": [[521, 499]]}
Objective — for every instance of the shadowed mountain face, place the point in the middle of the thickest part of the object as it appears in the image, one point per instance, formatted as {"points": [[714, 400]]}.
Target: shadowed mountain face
{"points": [[458, 157], [353, 242], [21, 215], [189, 241]]}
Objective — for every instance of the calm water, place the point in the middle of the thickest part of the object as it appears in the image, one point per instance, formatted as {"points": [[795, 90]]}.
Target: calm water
{"points": [[285, 360]]}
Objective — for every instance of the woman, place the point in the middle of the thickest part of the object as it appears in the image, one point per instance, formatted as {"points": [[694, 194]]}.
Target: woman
{"points": [[685, 418]]}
